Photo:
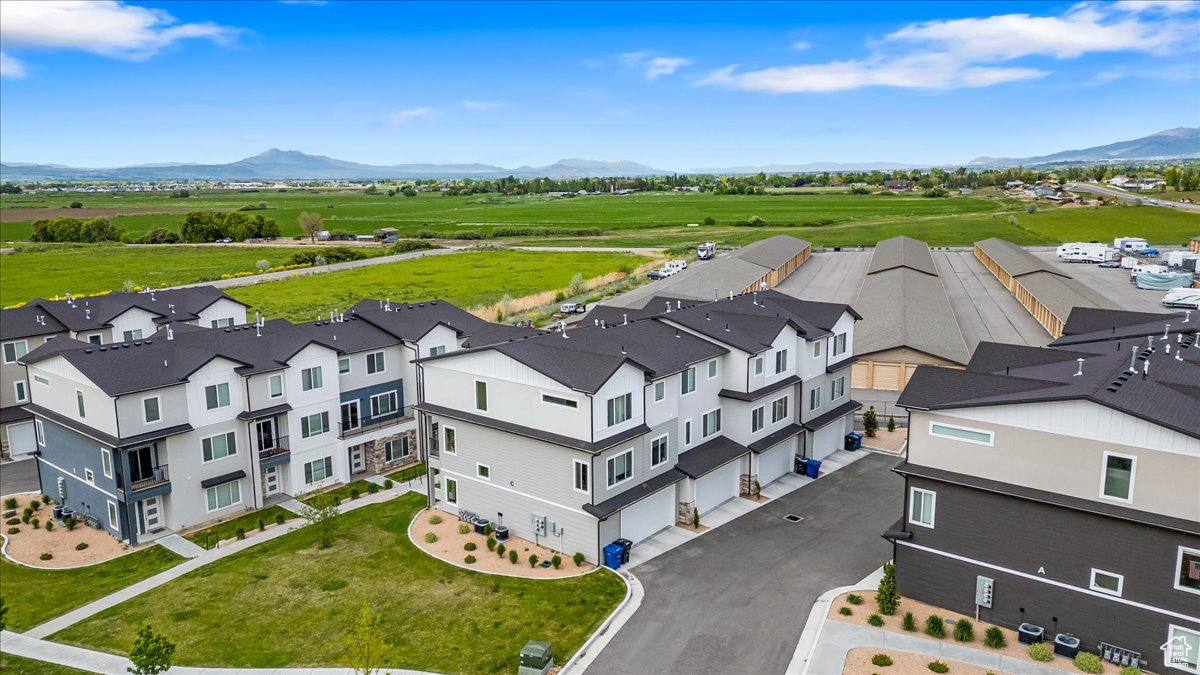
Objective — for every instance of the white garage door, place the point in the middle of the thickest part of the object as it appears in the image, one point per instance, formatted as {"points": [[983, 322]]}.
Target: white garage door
{"points": [[829, 439], [717, 487], [22, 439], [776, 462], [649, 516]]}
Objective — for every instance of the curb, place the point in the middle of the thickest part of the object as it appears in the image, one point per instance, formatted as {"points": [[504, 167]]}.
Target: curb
{"points": [[807, 645], [616, 620]]}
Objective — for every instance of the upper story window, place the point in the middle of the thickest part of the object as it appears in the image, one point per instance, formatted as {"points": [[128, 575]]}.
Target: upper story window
{"points": [[781, 361], [96, 339], [620, 408], [216, 395], [712, 369], [837, 388], [1184, 646], [434, 351], [687, 381], [620, 468], [558, 400], [375, 363], [344, 365], [660, 390], [711, 423], [131, 335], [1187, 570], [779, 409], [217, 447], [480, 395], [310, 378], [41, 380], [756, 419], [451, 439], [921, 507], [816, 349], [758, 365], [226, 322], [814, 398], [581, 476], [1118, 477], [79, 404], [150, 410], [960, 433], [1106, 582], [21, 390], [314, 425], [15, 350], [839, 344], [659, 452], [275, 385], [384, 404]]}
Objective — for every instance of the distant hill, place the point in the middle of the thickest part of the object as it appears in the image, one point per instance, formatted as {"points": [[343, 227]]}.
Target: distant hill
{"points": [[808, 168], [1177, 143]]}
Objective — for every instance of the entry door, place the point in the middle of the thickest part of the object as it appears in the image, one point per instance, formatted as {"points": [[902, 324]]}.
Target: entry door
{"points": [[271, 478], [357, 464], [142, 462], [265, 431], [151, 515], [350, 415]]}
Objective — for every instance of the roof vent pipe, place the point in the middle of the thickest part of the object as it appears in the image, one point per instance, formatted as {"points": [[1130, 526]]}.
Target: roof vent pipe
{"points": [[1080, 371], [164, 363], [626, 319], [1145, 368], [258, 332], [756, 298], [87, 313], [678, 304], [595, 322], [603, 324], [1133, 360], [727, 327], [152, 298], [676, 332], [1187, 316], [622, 350], [1149, 342], [716, 294], [1166, 331], [170, 333], [668, 307], [707, 317], [731, 295]]}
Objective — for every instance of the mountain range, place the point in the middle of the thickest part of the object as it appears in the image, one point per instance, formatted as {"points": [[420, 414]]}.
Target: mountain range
{"points": [[1178, 143]]}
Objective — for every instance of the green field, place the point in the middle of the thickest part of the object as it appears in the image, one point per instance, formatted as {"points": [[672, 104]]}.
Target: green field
{"points": [[287, 603], [46, 271], [471, 279]]}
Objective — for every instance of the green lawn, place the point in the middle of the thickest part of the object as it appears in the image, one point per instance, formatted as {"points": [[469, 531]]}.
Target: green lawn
{"points": [[408, 473], [248, 522], [465, 279], [35, 596], [287, 603], [19, 665], [43, 272], [342, 492]]}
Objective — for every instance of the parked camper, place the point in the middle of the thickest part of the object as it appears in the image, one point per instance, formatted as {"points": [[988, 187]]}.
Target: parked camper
{"points": [[1176, 258], [1129, 263], [1119, 242], [706, 250], [1187, 298], [677, 265], [1090, 253], [1146, 269]]}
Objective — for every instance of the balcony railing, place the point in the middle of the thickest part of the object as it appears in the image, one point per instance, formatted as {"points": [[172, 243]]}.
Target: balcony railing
{"points": [[278, 447], [369, 424], [155, 476]]}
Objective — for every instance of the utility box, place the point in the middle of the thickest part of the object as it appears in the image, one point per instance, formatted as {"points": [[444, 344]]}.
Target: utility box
{"points": [[539, 525], [983, 592], [537, 658]]}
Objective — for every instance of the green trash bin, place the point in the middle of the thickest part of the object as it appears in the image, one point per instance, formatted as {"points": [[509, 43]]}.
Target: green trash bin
{"points": [[537, 658]]}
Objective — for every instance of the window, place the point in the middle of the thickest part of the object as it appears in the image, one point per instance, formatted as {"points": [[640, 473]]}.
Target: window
{"points": [[558, 400], [216, 395], [314, 425], [839, 344], [480, 395], [1187, 570], [619, 409], [620, 468], [780, 361], [758, 366], [350, 417], [79, 403], [318, 470], [48, 338], [39, 430], [114, 521], [21, 389], [150, 410], [41, 380], [660, 391], [711, 422], [434, 351], [814, 398], [395, 449], [384, 404], [483, 471], [779, 409], [712, 369], [15, 350], [756, 419], [451, 491], [837, 388], [89, 476], [687, 432], [1106, 582], [921, 505], [1182, 649], [817, 349], [687, 381], [375, 363], [131, 335], [96, 339], [960, 433], [451, 440], [106, 462], [344, 365], [658, 451], [581, 476], [222, 323], [1118, 477], [310, 378], [224, 495], [434, 437], [275, 385], [219, 446]]}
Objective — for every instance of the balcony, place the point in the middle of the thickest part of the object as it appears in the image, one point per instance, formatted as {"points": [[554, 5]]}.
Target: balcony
{"points": [[273, 453], [368, 424], [148, 479]]}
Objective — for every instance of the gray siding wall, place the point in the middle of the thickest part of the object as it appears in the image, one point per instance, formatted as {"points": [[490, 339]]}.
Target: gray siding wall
{"points": [[642, 470], [68, 453]]}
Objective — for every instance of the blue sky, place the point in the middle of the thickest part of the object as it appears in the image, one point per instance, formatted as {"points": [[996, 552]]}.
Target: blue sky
{"points": [[674, 85]]}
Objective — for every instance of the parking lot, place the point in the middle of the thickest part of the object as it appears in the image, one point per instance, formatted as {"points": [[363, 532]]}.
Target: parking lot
{"points": [[1112, 284]]}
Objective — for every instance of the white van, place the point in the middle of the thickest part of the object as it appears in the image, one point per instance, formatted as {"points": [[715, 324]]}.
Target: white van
{"points": [[1187, 298]]}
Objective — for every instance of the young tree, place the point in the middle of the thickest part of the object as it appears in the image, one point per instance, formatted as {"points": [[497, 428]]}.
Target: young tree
{"points": [[151, 654], [870, 422], [891, 425], [310, 224], [365, 646], [886, 596], [321, 514]]}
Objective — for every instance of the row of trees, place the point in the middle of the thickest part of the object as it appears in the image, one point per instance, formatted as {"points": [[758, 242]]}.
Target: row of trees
{"points": [[62, 229], [204, 226]]}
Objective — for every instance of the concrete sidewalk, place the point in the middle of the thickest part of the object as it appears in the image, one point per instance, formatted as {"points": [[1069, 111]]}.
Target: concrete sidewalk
{"points": [[180, 546]]}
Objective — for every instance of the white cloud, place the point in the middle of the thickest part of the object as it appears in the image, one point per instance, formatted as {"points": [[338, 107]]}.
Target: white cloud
{"points": [[402, 116], [1106, 76], [664, 65], [965, 53], [1165, 6], [107, 28], [482, 105], [802, 45], [11, 67], [652, 67]]}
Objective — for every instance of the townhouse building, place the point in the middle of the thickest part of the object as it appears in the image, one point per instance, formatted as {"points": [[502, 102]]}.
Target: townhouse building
{"points": [[622, 429], [116, 317], [1066, 480]]}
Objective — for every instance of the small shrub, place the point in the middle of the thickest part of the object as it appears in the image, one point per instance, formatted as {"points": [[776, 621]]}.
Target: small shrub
{"points": [[935, 627], [579, 558], [845, 611], [881, 660], [556, 561], [337, 501], [487, 530], [909, 622], [35, 523], [1089, 663], [372, 488], [354, 493], [49, 525], [1041, 651], [435, 519], [280, 518], [430, 537], [854, 599], [45, 499], [241, 533], [46, 556], [500, 549], [938, 667], [35, 505], [261, 525], [70, 523], [994, 638], [512, 557], [875, 620], [964, 631], [10, 503], [470, 560], [533, 560], [12, 521], [25, 517], [886, 596], [81, 546], [464, 528], [469, 546], [387, 484], [1131, 670], [14, 530], [491, 544], [891, 425]]}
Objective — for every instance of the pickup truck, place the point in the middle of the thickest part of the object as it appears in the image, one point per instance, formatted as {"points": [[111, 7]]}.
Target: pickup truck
{"points": [[572, 308], [662, 273]]}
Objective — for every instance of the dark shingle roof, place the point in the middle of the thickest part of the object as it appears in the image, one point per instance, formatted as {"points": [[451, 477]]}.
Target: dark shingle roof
{"points": [[904, 252], [411, 322], [82, 314], [1087, 324], [709, 456], [23, 322]]}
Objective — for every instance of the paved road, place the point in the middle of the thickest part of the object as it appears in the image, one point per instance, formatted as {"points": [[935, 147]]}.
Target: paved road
{"points": [[829, 277], [19, 476], [1160, 199], [986, 311], [736, 599]]}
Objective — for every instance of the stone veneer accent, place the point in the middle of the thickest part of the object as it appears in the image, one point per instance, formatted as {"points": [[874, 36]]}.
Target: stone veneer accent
{"points": [[683, 514], [376, 458], [747, 483]]}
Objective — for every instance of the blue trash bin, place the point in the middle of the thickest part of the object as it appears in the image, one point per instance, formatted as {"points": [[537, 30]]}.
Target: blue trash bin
{"points": [[853, 441], [801, 465], [814, 468], [612, 555]]}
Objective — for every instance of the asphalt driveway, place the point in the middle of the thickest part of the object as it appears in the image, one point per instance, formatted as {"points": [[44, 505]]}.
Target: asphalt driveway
{"points": [[736, 599], [20, 476]]}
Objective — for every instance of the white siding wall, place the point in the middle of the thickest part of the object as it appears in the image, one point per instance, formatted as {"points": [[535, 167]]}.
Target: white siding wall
{"points": [[222, 309], [65, 379], [627, 380], [172, 409], [843, 325], [133, 319], [440, 336], [305, 403], [259, 388]]}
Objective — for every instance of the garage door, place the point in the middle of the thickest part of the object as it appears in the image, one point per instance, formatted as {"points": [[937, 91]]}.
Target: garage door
{"points": [[886, 376], [777, 461], [717, 487], [858, 375], [829, 439], [649, 516], [21, 439]]}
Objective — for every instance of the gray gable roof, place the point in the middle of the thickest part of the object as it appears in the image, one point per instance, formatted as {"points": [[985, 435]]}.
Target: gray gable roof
{"points": [[83, 314], [412, 321], [772, 252], [28, 321], [902, 252], [1015, 260]]}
